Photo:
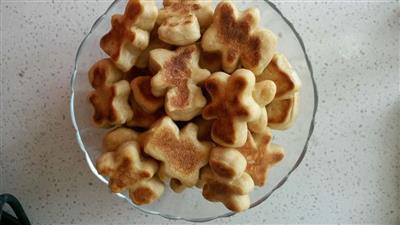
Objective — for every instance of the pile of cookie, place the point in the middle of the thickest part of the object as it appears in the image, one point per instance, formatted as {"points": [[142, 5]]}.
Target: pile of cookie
{"points": [[192, 94]]}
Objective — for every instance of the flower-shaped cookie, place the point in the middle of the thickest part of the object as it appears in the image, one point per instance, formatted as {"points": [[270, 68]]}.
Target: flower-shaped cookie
{"points": [[125, 166], [129, 34], [238, 38], [181, 153], [282, 113], [177, 79], [141, 118], [141, 90], [263, 94], [234, 193], [118, 136], [231, 107], [182, 20], [110, 99], [146, 191], [282, 74], [260, 156]]}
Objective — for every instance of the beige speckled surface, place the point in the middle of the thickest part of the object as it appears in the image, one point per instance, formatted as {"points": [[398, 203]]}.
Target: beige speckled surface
{"points": [[349, 175]]}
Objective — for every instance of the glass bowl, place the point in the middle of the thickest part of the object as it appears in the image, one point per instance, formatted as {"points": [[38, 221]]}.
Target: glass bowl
{"points": [[190, 205]]}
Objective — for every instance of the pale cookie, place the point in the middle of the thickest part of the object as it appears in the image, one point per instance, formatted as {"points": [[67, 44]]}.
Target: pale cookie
{"points": [[141, 90], [263, 94], [181, 21], [227, 162], [231, 107], [239, 39], [177, 78], [180, 152], [110, 98], [282, 74], [141, 118], [146, 191], [143, 60], [129, 34], [234, 194], [114, 138], [260, 156], [282, 113], [125, 166]]}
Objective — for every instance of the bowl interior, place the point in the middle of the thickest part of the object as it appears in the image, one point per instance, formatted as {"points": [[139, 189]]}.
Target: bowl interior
{"points": [[190, 205]]}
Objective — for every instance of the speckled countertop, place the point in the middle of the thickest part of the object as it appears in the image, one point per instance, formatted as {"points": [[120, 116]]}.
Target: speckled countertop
{"points": [[349, 175]]}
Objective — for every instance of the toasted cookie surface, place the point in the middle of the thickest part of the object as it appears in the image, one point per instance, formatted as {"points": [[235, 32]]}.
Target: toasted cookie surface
{"points": [[238, 38], [231, 107], [177, 78], [181, 153]]}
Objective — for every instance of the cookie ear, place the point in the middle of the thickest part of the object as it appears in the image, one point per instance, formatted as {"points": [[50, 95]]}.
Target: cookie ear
{"points": [[118, 136], [146, 191]]}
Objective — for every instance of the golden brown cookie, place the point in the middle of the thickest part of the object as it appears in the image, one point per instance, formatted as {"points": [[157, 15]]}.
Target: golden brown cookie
{"points": [[141, 89], [129, 34], [141, 118], [234, 194], [177, 78], [118, 136], [204, 133], [182, 21], [227, 162], [176, 185], [110, 98], [263, 94], [125, 166], [180, 152], [282, 74], [260, 156], [143, 59], [282, 113], [231, 107], [146, 191], [239, 39]]}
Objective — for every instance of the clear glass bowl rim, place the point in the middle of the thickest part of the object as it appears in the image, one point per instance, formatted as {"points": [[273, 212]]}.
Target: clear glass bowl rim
{"points": [[172, 217]]}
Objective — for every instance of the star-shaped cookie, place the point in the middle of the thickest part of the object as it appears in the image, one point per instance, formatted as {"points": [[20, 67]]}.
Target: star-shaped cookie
{"points": [[181, 153], [260, 156], [177, 78], [231, 107], [238, 38], [110, 97], [129, 34]]}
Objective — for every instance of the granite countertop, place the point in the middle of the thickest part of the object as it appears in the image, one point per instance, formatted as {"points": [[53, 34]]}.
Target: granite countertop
{"points": [[349, 175]]}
